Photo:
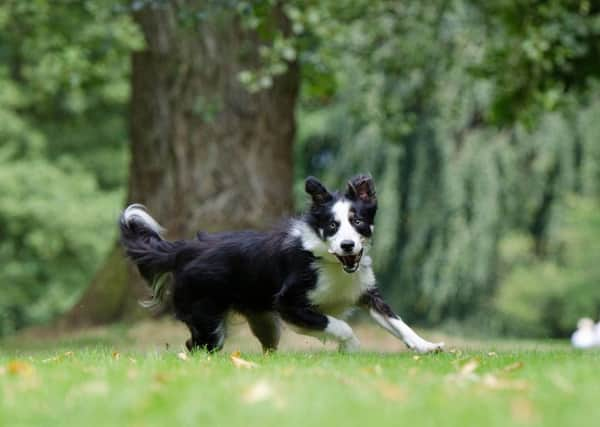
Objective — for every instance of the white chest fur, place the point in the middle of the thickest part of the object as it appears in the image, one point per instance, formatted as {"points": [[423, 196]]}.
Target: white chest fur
{"points": [[337, 291]]}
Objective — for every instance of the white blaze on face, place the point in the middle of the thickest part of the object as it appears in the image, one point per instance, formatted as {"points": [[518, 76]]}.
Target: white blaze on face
{"points": [[341, 213]]}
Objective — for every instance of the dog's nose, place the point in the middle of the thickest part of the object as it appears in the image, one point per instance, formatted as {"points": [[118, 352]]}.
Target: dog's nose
{"points": [[347, 245]]}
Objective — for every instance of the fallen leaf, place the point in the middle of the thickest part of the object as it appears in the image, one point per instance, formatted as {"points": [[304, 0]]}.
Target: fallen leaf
{"points": [[492, 354], [18, 367], [390, 391], [182, 355], [413, 371], [132, 373], [416, 357], [161, 378], [132, 360], [562, 383], [258, 392], [469, 367], [495, 383], [116, 355], [99, 388], [522, 411], [373, 370], [68, 354], [513, 367], [241, 363]]}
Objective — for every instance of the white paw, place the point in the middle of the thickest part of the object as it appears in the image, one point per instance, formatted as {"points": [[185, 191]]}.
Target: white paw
{"points": [[350, 345], [426, 346]]}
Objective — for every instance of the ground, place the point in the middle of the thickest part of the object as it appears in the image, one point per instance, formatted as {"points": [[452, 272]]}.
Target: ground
{"points": [[140, 376]]}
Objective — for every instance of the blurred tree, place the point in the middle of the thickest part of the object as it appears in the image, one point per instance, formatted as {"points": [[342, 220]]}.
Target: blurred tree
{"points": [[208, 150]]}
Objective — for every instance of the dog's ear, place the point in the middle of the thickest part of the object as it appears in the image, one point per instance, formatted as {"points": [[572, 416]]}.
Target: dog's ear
{"points": [[317, 191], [361, 187]]}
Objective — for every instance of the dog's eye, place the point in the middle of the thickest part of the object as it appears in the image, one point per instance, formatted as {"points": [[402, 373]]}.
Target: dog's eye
{"points": [[357, 221], [333, 225]]}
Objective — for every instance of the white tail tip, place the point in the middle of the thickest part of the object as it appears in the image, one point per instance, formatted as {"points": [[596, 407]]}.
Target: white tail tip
{"points": [[140, 212]]}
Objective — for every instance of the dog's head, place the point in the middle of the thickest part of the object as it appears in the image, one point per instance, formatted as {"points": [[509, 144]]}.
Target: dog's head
{"points": [[343, 221]]}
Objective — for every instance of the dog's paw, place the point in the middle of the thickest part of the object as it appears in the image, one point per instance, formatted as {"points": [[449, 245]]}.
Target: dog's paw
{"points": [[423, 346], [350, 345]]}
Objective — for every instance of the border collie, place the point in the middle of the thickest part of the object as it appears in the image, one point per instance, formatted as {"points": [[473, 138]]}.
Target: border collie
{"points": [[310, 272]]}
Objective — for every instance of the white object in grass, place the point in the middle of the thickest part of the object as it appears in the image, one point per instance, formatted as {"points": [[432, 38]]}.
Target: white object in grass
{"points": [[587, 334]]}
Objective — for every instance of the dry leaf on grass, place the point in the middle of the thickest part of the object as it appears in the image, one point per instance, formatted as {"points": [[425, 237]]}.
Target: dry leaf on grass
{"points": [[522, 411], [238, 362], [373, 370], [258, 392], [96, 387], [161, 378], [390, 391], [182, 356], [513, 367], [561, 383], [18, 367], [495, 383], [466, 372], [469, 368], [116, 355]]}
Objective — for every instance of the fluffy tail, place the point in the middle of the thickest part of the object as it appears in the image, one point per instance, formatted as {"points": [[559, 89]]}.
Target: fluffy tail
{"points": [[144, 245]]}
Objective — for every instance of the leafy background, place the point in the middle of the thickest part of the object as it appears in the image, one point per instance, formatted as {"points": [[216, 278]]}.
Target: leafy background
{"points": [[478, 121]]}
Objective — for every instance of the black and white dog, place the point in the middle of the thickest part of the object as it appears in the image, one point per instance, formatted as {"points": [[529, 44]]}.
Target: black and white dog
{"points": [[310, 272]]}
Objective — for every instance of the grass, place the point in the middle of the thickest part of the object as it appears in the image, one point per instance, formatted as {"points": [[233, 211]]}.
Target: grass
{"points": [[492, 383]]}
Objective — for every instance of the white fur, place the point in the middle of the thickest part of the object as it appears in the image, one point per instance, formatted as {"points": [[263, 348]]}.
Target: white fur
{"points": [[337, 292], [310, 240], [341, 213], [401, 330], [139, 211], [343, 333]]}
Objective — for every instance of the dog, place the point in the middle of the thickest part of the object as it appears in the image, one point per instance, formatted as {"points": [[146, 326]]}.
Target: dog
{"points": [[309, 272]]}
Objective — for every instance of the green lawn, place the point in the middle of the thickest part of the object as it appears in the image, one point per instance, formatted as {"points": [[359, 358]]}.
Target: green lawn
{"points": [[497, 384]]}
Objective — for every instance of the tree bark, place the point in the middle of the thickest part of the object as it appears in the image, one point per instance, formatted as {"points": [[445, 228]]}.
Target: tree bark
{"points": [[206, 154]]}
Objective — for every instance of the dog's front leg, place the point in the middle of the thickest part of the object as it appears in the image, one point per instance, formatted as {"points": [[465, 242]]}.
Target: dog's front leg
{"points": [[309, 321], [387, 319]]}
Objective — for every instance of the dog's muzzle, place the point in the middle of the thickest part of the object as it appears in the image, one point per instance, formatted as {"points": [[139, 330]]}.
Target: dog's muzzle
{"points": [[350, 263]]}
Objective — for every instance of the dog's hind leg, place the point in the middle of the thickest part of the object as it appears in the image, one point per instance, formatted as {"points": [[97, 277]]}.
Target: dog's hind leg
{"points": [[266, 326], [206, 322]]}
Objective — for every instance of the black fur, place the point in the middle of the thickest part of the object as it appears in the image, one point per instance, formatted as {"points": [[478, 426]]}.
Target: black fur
{"points": [[253, 273]]}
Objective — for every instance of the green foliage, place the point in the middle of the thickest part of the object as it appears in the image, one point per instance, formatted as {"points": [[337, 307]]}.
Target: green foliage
{"points": [[49, 222], [63, 91], [413, 107], [546, 297], [537, 52]]}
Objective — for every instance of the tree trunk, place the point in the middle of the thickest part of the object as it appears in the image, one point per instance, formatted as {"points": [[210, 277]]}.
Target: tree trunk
{"points": [[205, 153]]}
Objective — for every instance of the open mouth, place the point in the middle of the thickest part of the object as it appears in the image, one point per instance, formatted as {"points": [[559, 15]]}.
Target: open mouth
{"points": [[350, 263]]}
